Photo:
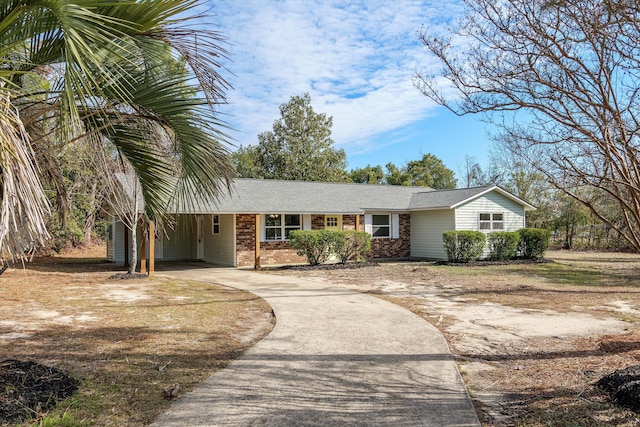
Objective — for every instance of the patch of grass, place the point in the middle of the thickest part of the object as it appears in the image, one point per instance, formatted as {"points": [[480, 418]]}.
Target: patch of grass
{"points": [[64, 420]]}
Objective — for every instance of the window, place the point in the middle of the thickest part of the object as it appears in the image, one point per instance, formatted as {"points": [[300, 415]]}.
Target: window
{"points": [[491, 221], [278, 226], [381, 226], [216, 224]]}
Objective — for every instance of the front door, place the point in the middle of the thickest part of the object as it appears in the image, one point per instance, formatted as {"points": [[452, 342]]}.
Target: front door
{"points": [[200, 233], [333, 222]]}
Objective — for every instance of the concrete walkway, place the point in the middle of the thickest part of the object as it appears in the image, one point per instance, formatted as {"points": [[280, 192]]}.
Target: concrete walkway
{"points": [[334, 358]]}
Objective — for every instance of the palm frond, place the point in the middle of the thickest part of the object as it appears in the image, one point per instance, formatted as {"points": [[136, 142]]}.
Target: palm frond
{"points": [[24, 205]]}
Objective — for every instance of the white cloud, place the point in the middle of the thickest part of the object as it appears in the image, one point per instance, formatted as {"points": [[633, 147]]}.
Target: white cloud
{"points": [[356, 59]]}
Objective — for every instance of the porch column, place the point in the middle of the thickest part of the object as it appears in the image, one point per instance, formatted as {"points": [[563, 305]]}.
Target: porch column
{"points": [[357, 222], [152, 247], [143, 250], [257, 249]]}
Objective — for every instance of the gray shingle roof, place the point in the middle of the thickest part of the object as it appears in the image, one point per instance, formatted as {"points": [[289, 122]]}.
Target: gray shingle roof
{"points": [[274, 196], [262, 196], [444, 198]]}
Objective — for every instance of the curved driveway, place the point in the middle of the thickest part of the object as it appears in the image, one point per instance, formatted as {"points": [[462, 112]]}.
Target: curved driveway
{"points": [[334, 358]]}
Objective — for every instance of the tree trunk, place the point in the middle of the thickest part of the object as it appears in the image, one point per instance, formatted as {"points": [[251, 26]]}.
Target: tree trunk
{"points": [[134, 251]]}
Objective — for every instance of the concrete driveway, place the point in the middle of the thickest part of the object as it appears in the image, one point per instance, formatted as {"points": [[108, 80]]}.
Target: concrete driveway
{"points": [[335, 357]]}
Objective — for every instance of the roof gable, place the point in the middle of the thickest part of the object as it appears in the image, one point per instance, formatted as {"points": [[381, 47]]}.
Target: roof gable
{"points": [[451, 199]]}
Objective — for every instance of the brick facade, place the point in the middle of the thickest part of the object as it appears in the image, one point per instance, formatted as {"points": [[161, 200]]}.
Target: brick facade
{"points": [[245, 240], [317, 222], [348, 222], [279, 252], [393, 248], [271, 253]]}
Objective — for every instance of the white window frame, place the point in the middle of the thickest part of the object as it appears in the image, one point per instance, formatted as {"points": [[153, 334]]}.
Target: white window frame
{"points": [[380, 227], [394, 225], [492, 222], [215, 224], [283, 228]]}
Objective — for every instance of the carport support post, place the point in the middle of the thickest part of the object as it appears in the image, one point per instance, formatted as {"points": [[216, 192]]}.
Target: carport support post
{"points": [[143, 249], [257, 249], [152, 247]]}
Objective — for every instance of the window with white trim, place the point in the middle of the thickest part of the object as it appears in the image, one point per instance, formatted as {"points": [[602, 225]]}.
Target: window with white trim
{"points": [[381, 225], [216, 224], [278, 226], [489, 221]]}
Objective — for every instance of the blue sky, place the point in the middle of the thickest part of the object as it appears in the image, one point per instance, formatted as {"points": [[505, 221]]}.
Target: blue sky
{"points": [[356, 59]]}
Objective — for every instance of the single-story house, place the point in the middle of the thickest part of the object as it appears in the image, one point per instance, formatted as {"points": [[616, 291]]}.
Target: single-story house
{"points": [[249, 227]]}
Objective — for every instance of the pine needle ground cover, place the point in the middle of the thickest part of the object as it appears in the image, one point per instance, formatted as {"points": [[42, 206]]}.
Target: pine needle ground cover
{"points": [[130, 346]]}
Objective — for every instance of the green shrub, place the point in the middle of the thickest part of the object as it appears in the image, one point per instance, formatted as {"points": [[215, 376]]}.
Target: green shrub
{"points": [[503, 244], [351, 244], [316, 245], [463, 245], [533, 242]]}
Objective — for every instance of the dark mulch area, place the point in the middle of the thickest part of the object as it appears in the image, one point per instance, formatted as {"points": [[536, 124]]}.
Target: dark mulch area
{"points": [[29, 388], [336, 266], [480, 263], [127, 276], [355, 265], [623, 386]]}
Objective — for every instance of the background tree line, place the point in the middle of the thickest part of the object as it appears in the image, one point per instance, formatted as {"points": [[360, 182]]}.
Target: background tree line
{"points": [[559, 79], [300, 147]]}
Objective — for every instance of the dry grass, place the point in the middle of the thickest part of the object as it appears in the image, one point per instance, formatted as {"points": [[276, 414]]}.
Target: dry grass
{"points": [[542, 381], [126, 340]]}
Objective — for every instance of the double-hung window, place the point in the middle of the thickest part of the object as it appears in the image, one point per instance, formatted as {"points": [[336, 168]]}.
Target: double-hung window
{"points": [[488, 221], [380, 226], [278, 226], [216, 224]]}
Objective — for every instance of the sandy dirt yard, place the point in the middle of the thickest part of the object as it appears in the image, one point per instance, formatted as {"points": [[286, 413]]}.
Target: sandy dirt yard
{"points": [[531, 340], [132, 345]]}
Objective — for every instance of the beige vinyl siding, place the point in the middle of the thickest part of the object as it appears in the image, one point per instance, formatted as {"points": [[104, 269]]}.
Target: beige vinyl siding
{"points": [[179, 244], [492, 202], [219, 248], [110, 251], [426, 232], [118, 242]]}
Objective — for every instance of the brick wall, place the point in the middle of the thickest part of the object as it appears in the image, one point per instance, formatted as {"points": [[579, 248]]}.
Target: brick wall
{"points": [[348, 222], [271, 253], [279, 252], [393, 248], [317, 222], [245, 240]]}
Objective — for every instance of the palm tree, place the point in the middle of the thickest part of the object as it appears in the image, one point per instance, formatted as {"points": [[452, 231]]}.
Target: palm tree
{"points": [[106, 73]]}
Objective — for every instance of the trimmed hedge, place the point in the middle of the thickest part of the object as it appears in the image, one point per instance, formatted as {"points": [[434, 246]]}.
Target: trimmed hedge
{"points": [[463, 245], [351, 244], [534, 242], [319, 245], [314, 244], [503, 244]]}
